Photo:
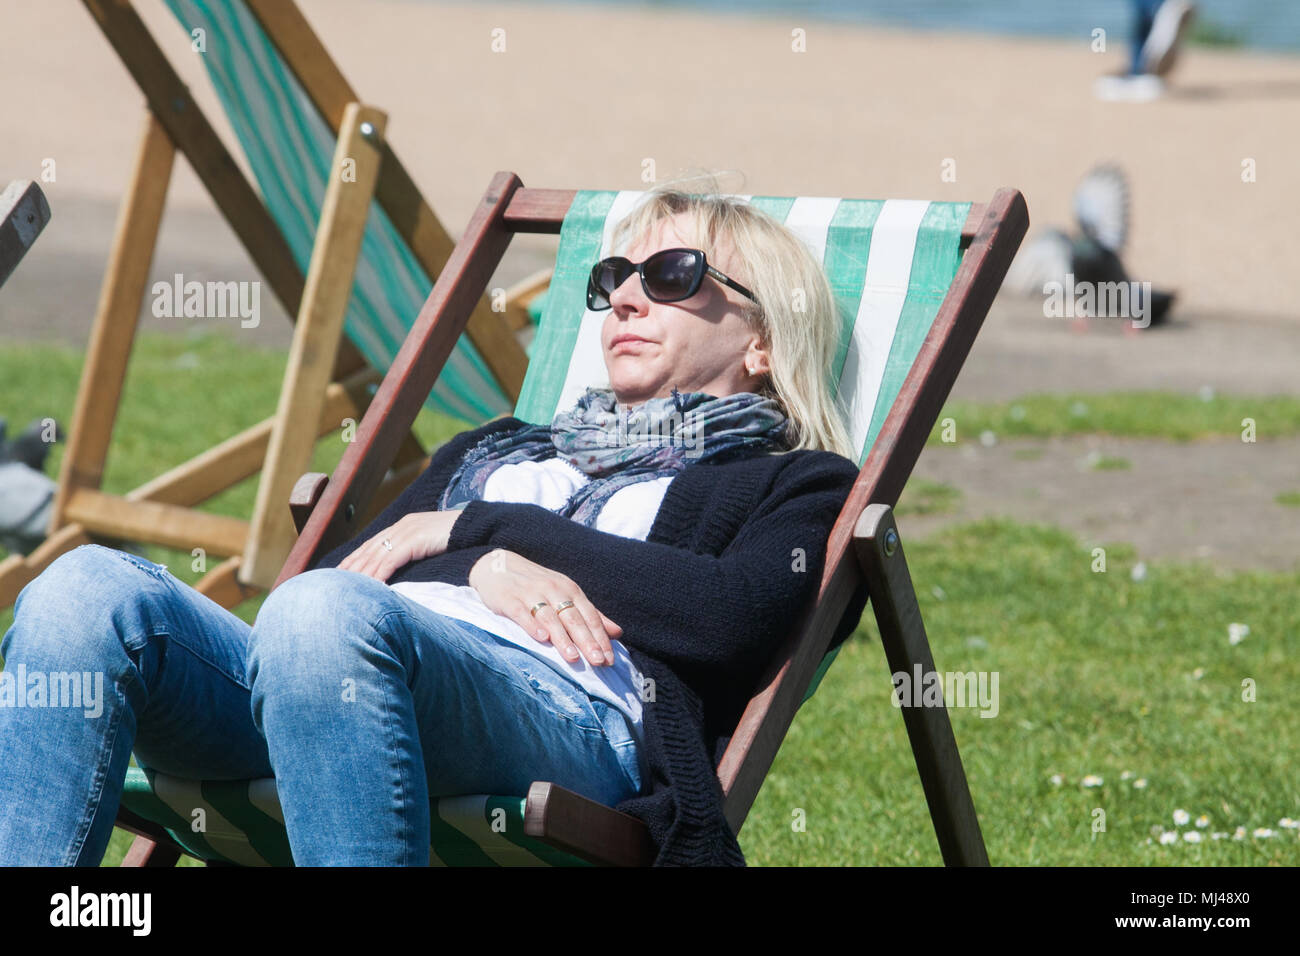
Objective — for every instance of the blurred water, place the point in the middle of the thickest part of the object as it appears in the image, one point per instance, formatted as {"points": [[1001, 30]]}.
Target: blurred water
{"points": [[1263, 24]]}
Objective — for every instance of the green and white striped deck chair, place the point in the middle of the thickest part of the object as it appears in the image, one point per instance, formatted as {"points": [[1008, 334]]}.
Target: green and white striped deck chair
{"points": [[913, 280], [290, 148]]}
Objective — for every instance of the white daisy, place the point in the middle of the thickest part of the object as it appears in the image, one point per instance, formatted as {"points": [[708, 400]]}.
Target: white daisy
{"points": [[1140, 783], [1169, 836], [1191, 836], [1056, 779], [1263, 833], [1202, 821], [1181, 817], [1237, 633], [1092, 780]]}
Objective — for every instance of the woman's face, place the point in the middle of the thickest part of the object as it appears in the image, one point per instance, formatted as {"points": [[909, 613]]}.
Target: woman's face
{"points": [[700, 344]]}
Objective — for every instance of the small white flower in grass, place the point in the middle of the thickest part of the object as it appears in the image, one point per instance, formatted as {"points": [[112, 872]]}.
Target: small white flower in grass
{"points": [[1139, 572], [1237, 633], [1126, 775], [1092, 780], [1056, 779], [1219, 835], [1198, 673], [1239, 833], [1191, 836], [1286, 823], [1140, 783], [1203, 821], [1181, 817], [1168, 837], [1263, 833]]}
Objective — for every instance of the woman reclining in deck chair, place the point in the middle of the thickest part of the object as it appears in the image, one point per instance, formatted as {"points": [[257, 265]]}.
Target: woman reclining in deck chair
{"points": [[590, 603]]}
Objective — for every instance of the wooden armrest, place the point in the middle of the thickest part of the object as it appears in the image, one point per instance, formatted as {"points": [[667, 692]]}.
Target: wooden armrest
{"points": [[585, 828], [307, 491]]}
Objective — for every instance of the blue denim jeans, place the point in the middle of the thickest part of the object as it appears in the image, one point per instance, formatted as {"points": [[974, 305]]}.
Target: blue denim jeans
{"points": [[361, 703], [1144, 15]]}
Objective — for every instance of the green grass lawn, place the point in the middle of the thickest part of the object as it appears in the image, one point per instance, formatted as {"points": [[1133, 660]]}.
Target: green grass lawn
{"points": [[1149, 414], [1100, 675]]}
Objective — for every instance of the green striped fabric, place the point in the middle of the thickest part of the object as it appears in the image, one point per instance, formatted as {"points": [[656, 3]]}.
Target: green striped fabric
{"points": [[240, 822], [290, 148]]}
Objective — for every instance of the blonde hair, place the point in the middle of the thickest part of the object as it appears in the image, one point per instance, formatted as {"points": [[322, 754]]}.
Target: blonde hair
{"points": [[796, 315]]}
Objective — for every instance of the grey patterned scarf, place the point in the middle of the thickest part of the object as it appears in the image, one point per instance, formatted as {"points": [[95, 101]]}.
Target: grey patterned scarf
{"points": [[616, 447]]}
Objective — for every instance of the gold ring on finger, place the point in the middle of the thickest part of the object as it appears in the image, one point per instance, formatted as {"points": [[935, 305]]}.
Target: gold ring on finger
{"points": [[537, 607], [563, 606]]}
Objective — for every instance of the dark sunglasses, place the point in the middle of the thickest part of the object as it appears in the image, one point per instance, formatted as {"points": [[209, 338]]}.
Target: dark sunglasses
{"points": [[667, 276]]}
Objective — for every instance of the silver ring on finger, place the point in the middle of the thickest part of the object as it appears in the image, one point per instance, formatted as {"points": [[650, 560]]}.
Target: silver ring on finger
{"points": [[563, 606]]}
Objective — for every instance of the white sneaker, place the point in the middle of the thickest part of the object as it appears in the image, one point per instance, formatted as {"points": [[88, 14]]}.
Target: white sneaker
{"points": [[1138, 88], [1167, 31]]}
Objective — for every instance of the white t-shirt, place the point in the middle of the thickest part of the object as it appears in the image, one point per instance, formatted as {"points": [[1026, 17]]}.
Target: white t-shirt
{"points": [[630, 512]]}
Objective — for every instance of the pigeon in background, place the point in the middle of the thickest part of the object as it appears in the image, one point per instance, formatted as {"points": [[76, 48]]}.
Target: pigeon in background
{"points": [[1092, 254], [26, 492]]}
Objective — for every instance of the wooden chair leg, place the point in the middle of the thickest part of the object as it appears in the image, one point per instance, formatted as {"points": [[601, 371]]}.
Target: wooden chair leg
{"points": [[316, 338], [146, 852], [880, 552]]}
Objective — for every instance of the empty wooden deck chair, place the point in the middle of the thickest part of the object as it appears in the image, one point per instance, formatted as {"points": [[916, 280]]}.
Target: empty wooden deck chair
{"points": [[286, 101], [914, 280]]}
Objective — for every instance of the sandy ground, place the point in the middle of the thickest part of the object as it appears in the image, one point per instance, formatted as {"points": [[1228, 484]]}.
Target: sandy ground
{"points": [[584, 96]]}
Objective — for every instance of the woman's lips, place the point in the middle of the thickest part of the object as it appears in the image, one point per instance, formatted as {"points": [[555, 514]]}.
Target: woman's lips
{"points": [[628, 343]]}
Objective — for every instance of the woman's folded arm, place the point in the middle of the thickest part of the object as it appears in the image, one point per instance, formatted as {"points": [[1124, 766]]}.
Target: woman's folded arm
{"points": [[716, 613]]}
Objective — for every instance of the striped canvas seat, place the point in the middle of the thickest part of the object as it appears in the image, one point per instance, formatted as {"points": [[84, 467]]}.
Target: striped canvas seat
{"points": [[240, 822], [290, 149], [890, 264]]}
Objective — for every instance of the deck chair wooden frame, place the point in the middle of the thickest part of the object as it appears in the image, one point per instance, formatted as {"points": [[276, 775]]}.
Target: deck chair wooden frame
{"points": [[864, 546], [328, 392]]}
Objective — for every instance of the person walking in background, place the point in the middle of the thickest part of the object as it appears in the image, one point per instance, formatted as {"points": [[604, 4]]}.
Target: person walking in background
{"points": [[1158, 31]]}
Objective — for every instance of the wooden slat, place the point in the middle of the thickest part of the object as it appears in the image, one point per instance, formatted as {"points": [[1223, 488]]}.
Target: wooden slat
{"points": [[767, 718], [879, 550], [396, 192], [99, 391], [17, 571], [570, 822], [523, 292], [223, 586], [24, 212], [418, 364], [539, 210], [543, 211], [243, 455], [146, 852], [181, 528], [193, 135], [316, 338]]}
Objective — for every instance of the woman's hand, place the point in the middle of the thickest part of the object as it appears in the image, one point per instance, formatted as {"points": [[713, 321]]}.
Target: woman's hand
{"points": [[510, 585], [415, 536]]}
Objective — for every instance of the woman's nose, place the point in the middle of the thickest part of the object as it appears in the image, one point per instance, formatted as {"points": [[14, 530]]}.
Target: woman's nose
{"points": [[630, 295]]}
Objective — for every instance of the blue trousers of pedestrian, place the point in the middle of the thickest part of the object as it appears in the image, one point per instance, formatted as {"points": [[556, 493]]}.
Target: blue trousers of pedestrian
{"points": [[1144, 14], [362, 704]]}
